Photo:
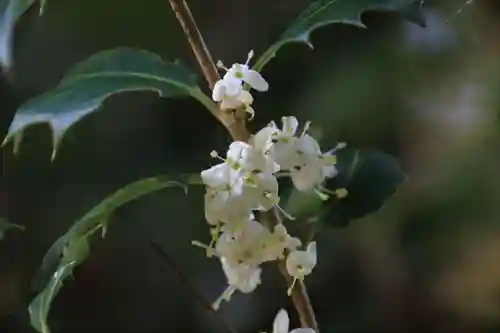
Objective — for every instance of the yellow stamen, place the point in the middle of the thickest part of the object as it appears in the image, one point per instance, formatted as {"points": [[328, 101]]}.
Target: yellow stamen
{"points": [[322, 196], [289, 291]]}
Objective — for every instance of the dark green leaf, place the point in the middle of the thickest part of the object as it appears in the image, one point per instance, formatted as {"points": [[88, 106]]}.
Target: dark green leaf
{"points": [[89, 83], [324, 12], [73, 248], [370, 178], [5, 225], [10, 12]]}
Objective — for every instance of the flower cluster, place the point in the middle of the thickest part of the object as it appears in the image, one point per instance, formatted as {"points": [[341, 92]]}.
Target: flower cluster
{"points": [[246, 182]]}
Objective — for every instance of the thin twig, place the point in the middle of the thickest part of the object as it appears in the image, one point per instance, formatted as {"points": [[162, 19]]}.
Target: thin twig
{"points": [[189, 286], [200, 50], [236, 127]]}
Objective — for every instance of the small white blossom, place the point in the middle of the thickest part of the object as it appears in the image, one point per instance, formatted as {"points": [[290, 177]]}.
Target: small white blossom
{"points": [[241, 99], [220, 207], [278, 242], [312, 166], [263, 139], [241, 73], [242, 277], [229, 90], [288, 242], [243, 245], [283, 150], [223, 180], [282, 324], [262, 191], [301, 263]]}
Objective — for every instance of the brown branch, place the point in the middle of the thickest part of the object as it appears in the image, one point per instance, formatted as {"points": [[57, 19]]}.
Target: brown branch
{"points": [[236, 127], [200, 50], [195, 294]]}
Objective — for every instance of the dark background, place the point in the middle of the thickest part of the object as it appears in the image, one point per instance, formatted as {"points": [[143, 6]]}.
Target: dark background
{"points": [[427, 262]]}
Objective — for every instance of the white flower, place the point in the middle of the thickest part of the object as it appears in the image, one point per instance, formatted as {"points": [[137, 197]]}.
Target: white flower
{"points": [[282, 324], [278, 242], [263, 139], [306, 177], [288, 242], [229, 90], [255, 161], [262, 191], [301, 263], [307, 147], [283, 150], [311, 166], [241, 73], [223, 179], [242, 277], [221, 207], [242, 245], [241, 99]]}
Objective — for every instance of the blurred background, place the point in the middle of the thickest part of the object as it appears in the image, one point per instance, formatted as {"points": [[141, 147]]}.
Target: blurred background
{"points": [[428, 261]]}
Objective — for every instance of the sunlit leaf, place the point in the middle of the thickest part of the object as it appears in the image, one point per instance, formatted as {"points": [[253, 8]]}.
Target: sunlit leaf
{"points": [[74, 247], [90, 82], [324, 12]]}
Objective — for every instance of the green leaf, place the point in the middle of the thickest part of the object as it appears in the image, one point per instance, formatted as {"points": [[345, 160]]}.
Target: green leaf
{"points": [[10, 12], [5, 225], [324, 12], [40, 306], [74, 247], [90, 82], [370, 178]]}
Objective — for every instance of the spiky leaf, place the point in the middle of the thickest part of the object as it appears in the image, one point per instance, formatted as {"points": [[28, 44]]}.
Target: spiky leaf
{"points": [[90, 82], [324, 12], [73, 248], [10, 12]]}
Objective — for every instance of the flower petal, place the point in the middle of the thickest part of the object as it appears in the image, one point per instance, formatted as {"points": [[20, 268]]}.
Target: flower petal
{"points": [[219, 91], [255, 80], [281, 322], [216, 175], [236, 150], [290, 125], [311, 250], [233, 85]]}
